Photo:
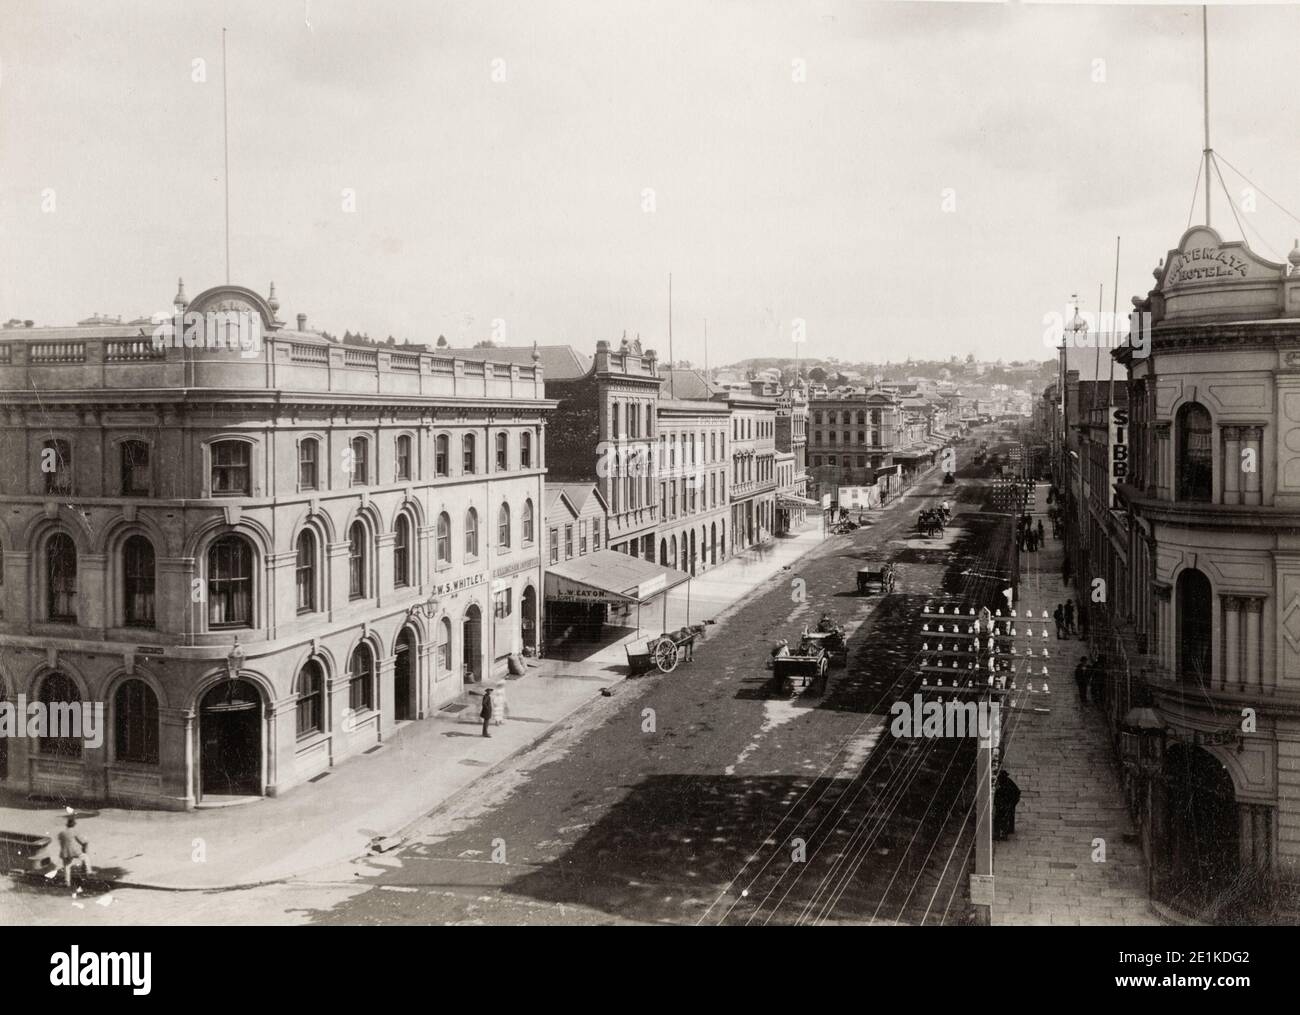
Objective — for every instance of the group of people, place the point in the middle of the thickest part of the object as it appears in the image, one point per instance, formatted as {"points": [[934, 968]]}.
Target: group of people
{"points": [[1029, 537], [1090, 677], [1064, 617], [932, 522]]}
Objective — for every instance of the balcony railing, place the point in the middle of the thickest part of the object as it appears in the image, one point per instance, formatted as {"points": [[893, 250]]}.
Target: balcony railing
{"points": [[122, 358]]}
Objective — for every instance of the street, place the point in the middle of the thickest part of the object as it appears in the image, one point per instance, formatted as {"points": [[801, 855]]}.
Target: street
{"points": [[692, 797]]}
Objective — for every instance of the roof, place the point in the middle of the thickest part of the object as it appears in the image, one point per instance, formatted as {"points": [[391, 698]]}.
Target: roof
{"points": [[610, 576], [576, 494], [559, 362], [689, 385]]}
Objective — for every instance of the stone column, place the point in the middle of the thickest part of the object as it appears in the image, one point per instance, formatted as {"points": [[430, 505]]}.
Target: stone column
{"points": [[1231, 675], [1253, 675], [1232, 474], [1253, 440]]}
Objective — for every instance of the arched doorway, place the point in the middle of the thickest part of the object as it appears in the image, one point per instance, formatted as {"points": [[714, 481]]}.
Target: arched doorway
{"points": [[528, 618], [663, 552], [230, 740], [1195, 606], [404, 663], [1202, 853], [672, 559], [471, 645]]}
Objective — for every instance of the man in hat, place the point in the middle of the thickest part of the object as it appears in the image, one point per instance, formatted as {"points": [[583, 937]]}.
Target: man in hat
{"points": [[1006, 794], [485, 713], [72, 850]]}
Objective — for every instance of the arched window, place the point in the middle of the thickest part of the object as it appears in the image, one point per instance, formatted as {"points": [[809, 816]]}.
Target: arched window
{"points": [[1195, 615], [138, 582], [616, 432], [525, 450], [444, 646], [360, 448], [503, 453], [135, 469], [308, 449], [403, 458], [56, 464], [444, 539], [467, 457], [135, 723], [306, 572], [231, 471], [503, 527], [361, 680], [58, 690], [402, 552], [441, 453], [526, 522], [230, 583], [311, 699], [357, 560], [471, 533], [1195, 452], [61, 578]]}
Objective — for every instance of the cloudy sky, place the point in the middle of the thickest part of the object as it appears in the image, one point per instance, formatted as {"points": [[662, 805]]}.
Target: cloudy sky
{"points": [[918, 179]]}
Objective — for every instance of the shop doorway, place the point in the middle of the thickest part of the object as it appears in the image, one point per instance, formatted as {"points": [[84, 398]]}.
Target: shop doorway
{"points": [[472, 645], [230, 740], [403, 685]]}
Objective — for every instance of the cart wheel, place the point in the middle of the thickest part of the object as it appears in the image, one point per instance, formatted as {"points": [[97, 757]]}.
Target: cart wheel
{"points": [[821, 669], [665, 655]]}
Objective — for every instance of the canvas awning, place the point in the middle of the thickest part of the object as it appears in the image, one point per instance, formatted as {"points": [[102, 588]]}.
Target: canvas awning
{"points": [[610, 577], [794, 500]]}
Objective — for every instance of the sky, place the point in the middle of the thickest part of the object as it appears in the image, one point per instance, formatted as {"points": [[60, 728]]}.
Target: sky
{"points": [[905, 179]]}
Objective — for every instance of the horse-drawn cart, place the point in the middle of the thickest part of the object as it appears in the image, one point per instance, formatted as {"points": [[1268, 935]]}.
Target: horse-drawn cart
{"points": [[662, 652], [876, 578]]}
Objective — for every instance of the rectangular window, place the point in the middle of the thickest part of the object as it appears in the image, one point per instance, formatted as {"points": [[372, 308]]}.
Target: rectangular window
{"points": [[230, 469], [568, 541], [307, 464], [135, 468], [595, 533], [582, 538], [403, 458], [555, 546]]}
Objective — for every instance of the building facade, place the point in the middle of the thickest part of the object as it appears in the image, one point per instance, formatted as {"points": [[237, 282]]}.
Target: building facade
{"points": [[852, 437], [1208, 639], [262, 559], [753, 468], [791, 459], [693, 468]]}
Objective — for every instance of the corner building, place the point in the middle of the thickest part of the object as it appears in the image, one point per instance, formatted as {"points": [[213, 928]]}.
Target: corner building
{"points": [[262, 562]]}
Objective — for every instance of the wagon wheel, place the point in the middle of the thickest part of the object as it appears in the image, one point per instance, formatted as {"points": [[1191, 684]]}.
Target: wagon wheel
{"points": [[665, 655]]}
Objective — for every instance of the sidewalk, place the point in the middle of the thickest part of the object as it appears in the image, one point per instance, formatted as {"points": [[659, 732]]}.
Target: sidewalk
{"points": [[1070, 786], [418, 767]]}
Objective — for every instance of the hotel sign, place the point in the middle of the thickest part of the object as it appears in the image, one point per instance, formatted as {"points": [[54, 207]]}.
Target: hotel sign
{"points": [[1202, 264]]}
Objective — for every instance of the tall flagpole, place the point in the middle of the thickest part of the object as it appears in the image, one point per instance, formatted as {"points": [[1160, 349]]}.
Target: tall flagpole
{"points": [[1114, 323], [225, 143], [706, 349], [672, 386], [1205, 79]]}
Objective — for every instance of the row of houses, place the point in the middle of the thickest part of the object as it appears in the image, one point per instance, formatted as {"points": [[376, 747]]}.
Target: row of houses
{"points": [[265, 553]]}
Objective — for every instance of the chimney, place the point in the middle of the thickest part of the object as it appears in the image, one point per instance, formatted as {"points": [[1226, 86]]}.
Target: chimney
{"points": [[302, 322]]}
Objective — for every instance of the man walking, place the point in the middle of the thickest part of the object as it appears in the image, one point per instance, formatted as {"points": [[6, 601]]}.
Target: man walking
{"points": [[1041, 537], [485, 713], [1069, 616], [1081, 678], [1058, 615], [72, 850]]}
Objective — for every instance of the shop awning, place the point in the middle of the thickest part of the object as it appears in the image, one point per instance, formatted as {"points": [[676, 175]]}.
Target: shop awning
{"points": [[794, 500], [606, 576], [913, 454]]}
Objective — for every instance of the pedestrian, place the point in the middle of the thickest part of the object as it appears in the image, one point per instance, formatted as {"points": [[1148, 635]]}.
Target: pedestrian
{"points": [[499, 706], [1066, 570], [1081, 679], [1040, 532], [1097, 680], [1058, 615], [1069, 616], [485, 713], [73, 847], [1006, 795]]}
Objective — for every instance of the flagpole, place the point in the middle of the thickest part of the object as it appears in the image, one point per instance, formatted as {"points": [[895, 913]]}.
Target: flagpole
{"points": [[1205, 80], [225, 143]]}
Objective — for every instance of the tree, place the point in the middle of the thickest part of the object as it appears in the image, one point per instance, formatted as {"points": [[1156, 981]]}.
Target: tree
{"points": [[485, 344], [817, 374], [442, 341]]}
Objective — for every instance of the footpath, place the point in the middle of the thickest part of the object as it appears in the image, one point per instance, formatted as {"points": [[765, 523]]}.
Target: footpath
{"points": [[418, 768], [1052, 871]]}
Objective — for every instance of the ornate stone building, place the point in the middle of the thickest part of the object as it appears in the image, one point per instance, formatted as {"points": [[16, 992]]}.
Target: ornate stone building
{"points": [[1208, 634], [261, 558]]}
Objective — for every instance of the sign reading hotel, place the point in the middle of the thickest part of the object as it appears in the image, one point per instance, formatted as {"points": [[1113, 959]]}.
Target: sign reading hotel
{"points": [[1202, 257]]}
